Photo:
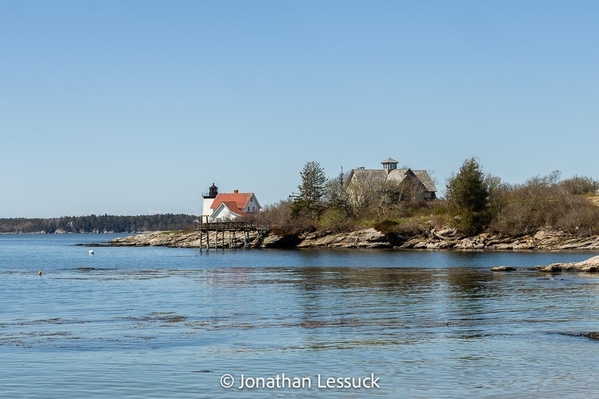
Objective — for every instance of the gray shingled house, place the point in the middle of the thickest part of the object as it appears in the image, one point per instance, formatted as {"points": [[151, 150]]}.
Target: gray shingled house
{"points": [[410, 184]]}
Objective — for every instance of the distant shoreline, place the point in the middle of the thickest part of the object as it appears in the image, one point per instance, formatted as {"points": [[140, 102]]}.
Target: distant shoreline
{"points": [[70, 232]]}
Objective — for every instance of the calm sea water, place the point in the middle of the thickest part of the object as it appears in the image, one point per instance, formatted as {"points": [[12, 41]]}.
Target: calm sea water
{"points": [[174, 323]]}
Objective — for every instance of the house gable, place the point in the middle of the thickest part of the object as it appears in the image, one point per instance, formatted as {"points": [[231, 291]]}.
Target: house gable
{"points": [[227, 210], [415, 183], [399, 175], [426, 180]]}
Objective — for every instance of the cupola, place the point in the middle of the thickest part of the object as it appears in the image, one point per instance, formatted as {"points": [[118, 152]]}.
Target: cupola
{"points": [[389, 164]]}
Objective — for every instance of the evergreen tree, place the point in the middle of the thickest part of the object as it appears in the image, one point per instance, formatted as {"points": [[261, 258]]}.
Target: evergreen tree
{"points": [[467, 196], [308, 202]]}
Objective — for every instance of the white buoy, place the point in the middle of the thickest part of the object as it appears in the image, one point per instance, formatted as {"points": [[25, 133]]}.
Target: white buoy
{"points": [[91, 251], [40, 273]]}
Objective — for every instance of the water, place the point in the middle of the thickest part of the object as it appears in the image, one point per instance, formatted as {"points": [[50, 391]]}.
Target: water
{"points": [[170, 323]]}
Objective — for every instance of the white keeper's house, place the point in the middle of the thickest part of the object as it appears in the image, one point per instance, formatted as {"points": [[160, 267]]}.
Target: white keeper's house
{"points": [[228, 206]]}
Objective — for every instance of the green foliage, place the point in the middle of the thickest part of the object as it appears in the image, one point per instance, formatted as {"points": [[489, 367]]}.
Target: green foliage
{"points": [[467, 198], [336, 220]]}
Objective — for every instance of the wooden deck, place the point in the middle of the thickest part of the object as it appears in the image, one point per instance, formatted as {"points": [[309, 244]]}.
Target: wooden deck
{"points": [[205, 228]]}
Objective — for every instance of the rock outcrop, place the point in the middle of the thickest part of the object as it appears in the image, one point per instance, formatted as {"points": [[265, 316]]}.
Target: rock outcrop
{"points": [[590, 266], [367, 238], [183, 240], [503, 269], [542, 240]]}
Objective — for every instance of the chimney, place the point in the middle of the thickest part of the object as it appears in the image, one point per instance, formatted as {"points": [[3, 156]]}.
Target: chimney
{"points": [[236, 191]]}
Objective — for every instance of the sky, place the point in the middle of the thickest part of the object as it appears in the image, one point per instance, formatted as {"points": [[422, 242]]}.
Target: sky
{"points": [[131, 107]]}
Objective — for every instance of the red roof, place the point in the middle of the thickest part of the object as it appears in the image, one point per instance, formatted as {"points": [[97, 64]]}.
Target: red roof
{"points": [[232, 205], [238, 200]]}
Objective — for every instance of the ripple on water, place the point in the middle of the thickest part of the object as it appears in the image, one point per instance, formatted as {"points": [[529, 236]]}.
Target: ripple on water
{"points": [[143, 322]]}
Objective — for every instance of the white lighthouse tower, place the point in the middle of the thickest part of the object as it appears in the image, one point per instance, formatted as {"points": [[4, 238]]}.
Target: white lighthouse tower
{"points": [[209, 199]]}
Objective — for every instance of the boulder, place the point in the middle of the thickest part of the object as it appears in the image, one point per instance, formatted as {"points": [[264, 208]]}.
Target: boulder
{"points": [[503, 269], [590, 265], [553, 268]]}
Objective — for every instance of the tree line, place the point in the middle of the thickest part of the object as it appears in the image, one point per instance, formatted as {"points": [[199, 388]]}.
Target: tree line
{"points": [[98, 224], [474, 202]]}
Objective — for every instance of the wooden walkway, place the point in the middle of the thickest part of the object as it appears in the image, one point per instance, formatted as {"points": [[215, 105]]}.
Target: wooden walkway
{"points": [[205, 228]]}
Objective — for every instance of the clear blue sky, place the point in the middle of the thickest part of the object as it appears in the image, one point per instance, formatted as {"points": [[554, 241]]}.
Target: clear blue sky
{"points": [[135, 107]]}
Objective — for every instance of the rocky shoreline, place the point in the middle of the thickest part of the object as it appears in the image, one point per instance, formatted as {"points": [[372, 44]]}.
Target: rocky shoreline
{"points": [[367, 239]]}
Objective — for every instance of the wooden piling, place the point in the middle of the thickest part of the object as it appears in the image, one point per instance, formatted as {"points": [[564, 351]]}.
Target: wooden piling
{"points": [[231, 227]]}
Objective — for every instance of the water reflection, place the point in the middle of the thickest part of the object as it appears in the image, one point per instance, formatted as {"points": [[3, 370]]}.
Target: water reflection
{"points": [[376, 306]]}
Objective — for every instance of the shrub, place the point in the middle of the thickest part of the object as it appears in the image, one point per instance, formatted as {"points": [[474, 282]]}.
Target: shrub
{"points": [[580, 185], [335, 220], [386, 226], [544, 202]]}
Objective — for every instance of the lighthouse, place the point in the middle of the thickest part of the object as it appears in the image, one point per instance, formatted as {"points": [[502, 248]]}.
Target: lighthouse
{"points": [[209, 199]]}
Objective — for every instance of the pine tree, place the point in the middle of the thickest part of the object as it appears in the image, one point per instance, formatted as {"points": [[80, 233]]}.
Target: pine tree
{"points": [[308, 202], [467, 196]]}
